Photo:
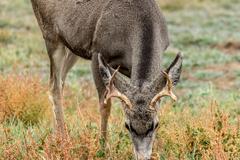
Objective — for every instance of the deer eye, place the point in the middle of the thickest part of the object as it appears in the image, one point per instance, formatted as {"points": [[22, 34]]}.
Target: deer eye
{"points": [[150, 129], [130, 128], [156, 126], [127, 126]]}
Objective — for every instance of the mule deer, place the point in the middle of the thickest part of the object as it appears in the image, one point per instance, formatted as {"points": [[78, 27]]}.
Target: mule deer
{"points": [[125, 40]]}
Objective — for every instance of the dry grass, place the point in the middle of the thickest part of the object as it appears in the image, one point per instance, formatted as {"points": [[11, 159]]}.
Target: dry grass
{"points": [[23, 98], [207, 134], [5, 36]]}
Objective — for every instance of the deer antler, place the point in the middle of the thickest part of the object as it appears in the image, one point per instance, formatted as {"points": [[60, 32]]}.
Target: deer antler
{"points": [[112, 91], [167, 91]]}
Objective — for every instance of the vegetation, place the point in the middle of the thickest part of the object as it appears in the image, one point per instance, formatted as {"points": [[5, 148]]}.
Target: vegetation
{"points": [[203, 124], [22, 98]]}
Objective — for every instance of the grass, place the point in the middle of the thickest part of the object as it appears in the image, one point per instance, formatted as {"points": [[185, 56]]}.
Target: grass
{"points": [[23, 99], [203, 124]]}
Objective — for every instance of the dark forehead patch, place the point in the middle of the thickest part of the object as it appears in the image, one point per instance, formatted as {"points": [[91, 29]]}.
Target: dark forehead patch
{"points": [[141, 113], [140, 101]]}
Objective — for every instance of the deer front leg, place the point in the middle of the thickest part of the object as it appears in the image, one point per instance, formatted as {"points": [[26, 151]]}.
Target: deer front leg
{"points": [[56, 52], [105, 109]]}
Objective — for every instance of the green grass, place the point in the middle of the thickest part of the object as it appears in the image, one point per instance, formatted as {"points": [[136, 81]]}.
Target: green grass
{"points": [[205, 118]]}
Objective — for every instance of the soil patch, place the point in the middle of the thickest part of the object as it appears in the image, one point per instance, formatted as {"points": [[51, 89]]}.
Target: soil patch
{"points": [[230, 47], [226, 81]]}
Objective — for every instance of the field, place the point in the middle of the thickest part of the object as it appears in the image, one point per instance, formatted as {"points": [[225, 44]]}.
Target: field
{"points": [[203, 124]]}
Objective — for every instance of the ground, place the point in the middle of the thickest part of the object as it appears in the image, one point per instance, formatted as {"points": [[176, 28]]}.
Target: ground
{"points": [[203, 124]]}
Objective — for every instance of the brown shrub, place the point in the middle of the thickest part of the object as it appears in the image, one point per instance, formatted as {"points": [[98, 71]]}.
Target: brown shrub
{"points": [[205, 135], [23, 98], [5, 36]]}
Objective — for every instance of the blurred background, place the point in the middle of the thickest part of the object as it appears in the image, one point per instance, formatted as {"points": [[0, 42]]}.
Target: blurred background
{"points": [[204, 123]]}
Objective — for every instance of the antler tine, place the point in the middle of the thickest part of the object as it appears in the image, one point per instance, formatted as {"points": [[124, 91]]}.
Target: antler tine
{"points": [[113, 75], [112, 91], [167, 91]]}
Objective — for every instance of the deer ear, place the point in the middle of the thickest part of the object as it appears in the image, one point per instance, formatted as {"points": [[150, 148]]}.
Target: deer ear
{"points": [[175, 69], [104, 71], [111, 90]]}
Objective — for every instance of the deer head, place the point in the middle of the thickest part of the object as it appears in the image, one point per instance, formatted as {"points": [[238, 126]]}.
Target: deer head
{"points": [[140, 104]]}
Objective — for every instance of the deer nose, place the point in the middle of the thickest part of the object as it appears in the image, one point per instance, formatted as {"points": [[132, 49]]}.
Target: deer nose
{"points": [[140, 156], [143, 158]]}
